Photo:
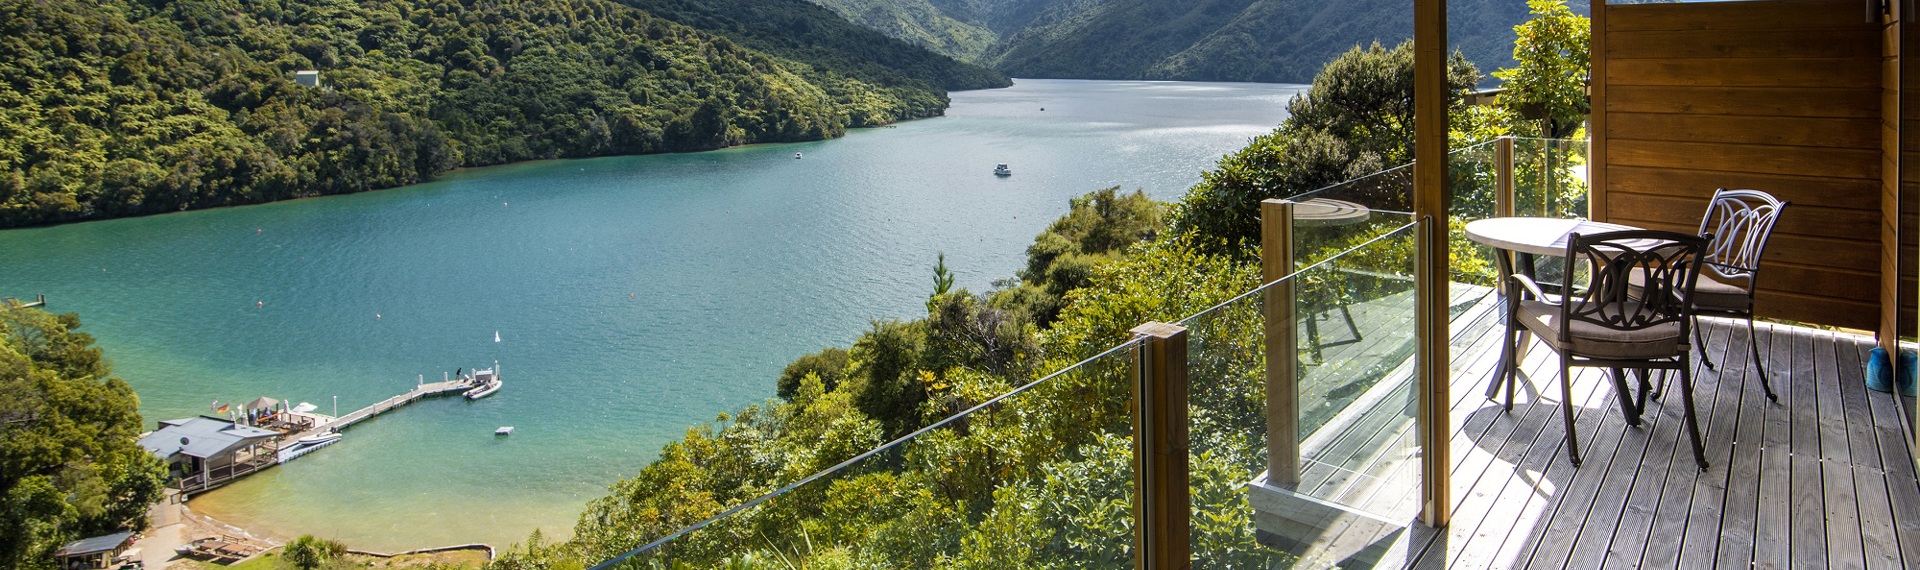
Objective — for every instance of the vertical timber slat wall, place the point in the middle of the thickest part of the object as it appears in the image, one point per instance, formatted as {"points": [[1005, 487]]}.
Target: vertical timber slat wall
{"points": [[1783, 96]]}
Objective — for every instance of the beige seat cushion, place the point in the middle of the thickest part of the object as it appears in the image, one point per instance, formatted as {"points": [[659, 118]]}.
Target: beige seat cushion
{"points": [[1709, 293], [1595, 341]]}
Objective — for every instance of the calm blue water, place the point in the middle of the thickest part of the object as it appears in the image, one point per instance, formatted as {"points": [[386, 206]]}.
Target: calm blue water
{"points": [[633, 296]]}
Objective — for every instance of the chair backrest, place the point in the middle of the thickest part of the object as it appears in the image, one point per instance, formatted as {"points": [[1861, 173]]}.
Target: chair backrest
{"points": [[1668, 264], [1741, 221]]}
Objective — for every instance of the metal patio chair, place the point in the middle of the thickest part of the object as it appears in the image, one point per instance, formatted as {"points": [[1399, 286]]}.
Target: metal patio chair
{"points": [[1603, 326], [1741, 222]]}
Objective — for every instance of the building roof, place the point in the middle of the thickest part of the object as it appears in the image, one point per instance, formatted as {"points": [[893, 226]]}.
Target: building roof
{"points": [[94, 545], [201, 437]]}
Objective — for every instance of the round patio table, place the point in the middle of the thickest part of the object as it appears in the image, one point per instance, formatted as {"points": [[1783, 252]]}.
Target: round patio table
{"points": [[1515, 242]]}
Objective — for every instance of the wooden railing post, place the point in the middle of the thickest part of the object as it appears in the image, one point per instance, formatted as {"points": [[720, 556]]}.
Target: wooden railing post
{"points": [[1283, 344], [1503, 174], [1160, 507], [1430, 100]]}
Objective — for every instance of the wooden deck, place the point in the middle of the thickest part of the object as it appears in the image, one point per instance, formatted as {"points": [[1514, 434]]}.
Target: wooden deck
{"points": [[1822, 479]]}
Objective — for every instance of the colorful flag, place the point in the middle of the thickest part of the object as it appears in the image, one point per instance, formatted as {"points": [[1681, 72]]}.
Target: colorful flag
{"points": [[222, 409]]}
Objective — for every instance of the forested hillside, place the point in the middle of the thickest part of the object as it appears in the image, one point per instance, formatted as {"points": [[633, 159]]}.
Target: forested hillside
{"points": [[1204, 40], [799, 30], [127, 107]]}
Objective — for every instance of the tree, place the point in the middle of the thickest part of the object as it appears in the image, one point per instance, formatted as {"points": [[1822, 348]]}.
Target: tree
{"points": [[70, 464], [1548, 82], [309, 553], [1356, 119]]}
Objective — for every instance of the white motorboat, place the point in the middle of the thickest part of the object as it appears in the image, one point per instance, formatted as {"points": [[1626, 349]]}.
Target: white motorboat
{"points": [[485, 383], [504, 430], [796, 156], [1002, 170], [306, 445], [321, 438]]}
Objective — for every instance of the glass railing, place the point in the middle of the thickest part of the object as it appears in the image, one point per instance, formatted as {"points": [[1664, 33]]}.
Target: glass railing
{"points": [[1354, 454], [1038, 475], [1042, 474]]}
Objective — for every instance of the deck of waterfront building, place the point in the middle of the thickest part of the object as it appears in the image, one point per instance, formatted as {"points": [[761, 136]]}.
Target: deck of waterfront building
{"points": [[1821, 479]]}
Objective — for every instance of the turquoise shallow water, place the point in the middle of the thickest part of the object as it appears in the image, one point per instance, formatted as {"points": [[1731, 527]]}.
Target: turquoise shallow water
{"points": [[633, 296]]}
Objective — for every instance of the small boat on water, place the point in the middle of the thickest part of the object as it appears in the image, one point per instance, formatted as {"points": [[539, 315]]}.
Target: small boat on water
{"points": [[485, 383], [321, 438], [503, 431], [1002, 170], [306, 445], [796, 156]]}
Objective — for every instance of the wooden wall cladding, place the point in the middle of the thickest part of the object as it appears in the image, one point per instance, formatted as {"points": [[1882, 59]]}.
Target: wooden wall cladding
{"points": [[1784, 96]]}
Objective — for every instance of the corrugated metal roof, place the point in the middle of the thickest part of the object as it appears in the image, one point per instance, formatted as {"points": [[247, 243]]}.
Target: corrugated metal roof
{"points": [[94, 545], [201, 437]]}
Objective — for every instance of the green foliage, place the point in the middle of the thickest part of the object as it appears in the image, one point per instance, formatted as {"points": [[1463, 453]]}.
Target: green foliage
{"points": [[70, 466], [1228, 40], [120, 107], [800, 31], [309, 553], [1097, 227], [829, 366], [942, 280], [1356, 119], [1548, 82]]}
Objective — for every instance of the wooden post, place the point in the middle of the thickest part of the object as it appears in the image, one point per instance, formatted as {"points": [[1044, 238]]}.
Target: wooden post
{"points": [[1283, 344], [1161, 510], [1597, 113], [1503, 176], [1430, 100]]}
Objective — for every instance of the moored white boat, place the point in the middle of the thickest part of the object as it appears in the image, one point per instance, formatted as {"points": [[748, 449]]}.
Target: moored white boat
{"points": [[486, 382], [1002, 170], [504, 430]]}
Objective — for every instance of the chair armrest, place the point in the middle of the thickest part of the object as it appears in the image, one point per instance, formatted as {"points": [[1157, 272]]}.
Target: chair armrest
{"points": [[1532, 287]]}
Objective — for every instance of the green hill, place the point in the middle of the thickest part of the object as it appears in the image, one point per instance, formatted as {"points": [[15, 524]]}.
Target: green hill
{"points": [[126, 107], [1204, 40], [802, 31]]}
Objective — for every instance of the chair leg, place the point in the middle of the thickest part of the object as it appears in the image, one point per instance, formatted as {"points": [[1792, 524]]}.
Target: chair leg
{"points": [[1566, 409], [1702, 344], [1693, 422], [1507, 373], [1627, 408], [1753, 343]]}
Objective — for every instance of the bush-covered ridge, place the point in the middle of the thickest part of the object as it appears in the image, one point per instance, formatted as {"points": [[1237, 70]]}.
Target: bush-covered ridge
{"points": [[127, 107]]}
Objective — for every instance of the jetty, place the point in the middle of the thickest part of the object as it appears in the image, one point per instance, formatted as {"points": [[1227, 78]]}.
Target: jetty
{"points": [[272, 439], [387, 405], [38, 301]]}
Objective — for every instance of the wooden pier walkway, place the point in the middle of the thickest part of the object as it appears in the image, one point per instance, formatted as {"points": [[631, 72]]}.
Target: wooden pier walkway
{"points": [[383, 406]]}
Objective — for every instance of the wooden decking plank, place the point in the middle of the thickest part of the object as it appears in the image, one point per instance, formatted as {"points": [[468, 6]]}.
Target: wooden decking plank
{"points": [[1904, 498], [1652, 492], [1842, 506], [1772, 527], [1630, 476], [1487, 477], [1719, 423], [1552, 543], [1600, 426], [1850, 374], [1509, 513], [1735, 545], [1808, 536], [1880, 548], [1677, 498]]}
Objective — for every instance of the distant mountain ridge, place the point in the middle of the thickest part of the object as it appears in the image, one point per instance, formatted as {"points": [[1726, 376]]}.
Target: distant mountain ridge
{"points": [[1197, 40]]}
